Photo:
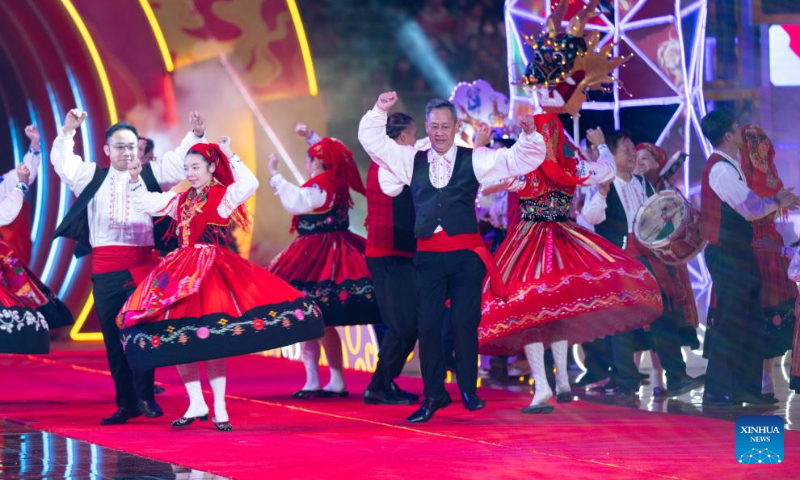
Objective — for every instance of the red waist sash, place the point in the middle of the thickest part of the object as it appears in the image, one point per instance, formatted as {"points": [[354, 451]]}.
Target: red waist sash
{"points": [[138, 260], [442, 242]]}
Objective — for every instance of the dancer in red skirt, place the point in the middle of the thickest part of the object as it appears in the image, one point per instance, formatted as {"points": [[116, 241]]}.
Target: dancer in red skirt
{"points": [[22, 328], [778, 293], [202, 301], [565, 283], [326, 260], [28, 309]]}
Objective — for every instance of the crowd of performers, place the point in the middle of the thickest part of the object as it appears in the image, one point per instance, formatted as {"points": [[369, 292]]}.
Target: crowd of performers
{"points": [[561, 266]]}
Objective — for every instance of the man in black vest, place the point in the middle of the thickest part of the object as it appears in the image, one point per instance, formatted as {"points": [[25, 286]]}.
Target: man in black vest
{"points": [[450, 255], [612, 210], [104, 221]]}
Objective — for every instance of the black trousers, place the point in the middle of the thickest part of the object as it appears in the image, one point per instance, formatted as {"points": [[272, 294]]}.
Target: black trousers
{"points": [[111, 290], [458, 276], [666, 339], [733, 344], [396, 293]]}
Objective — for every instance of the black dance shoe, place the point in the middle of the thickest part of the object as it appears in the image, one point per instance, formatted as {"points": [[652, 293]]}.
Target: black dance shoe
{"points": [[186, 421], [150, 408], [384, 397], [589, 379], [684, 385], [756, 400], [223, 426], [543, 408], [306, 394], [564, 397], [428, 408], [121, 416], [399, 392], [472, 402], [331, 394]]}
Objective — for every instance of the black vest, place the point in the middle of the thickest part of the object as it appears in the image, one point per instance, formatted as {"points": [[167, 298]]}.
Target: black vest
{"points": [[452, 207], [615, 227], [75, 225], [735, 232]]}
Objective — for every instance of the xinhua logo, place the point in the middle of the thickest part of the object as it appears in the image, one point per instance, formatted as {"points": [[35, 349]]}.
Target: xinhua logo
{"points": [[759, 440]]}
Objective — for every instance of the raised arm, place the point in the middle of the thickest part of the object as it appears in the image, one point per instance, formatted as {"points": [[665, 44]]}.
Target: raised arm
{"points": [[11, 202], [604, 169], [245, 183], [310, 136], [296, 200], [33, 158], [397, 159], [524, 157], [168, 169], [70, 168]]}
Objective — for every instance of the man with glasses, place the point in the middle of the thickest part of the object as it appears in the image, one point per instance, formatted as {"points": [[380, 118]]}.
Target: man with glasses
{"points": [[104, 221]]}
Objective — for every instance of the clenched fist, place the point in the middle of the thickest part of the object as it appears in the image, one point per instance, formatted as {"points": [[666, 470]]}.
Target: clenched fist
{"points": [[386, 100], [74, 120], [526, 124]]}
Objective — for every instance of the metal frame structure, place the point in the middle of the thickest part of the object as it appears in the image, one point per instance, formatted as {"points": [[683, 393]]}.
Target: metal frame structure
{"points": [[617, 28]]}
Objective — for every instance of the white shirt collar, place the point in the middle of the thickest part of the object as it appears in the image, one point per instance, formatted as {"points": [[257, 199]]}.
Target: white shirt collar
{"points": [[736, 164], [449, 156]]}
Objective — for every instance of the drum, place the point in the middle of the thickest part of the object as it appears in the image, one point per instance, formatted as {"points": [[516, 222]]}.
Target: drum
{"points": [[669, 226]]}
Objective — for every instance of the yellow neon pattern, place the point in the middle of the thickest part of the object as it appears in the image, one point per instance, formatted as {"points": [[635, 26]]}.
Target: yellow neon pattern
{"points": [[301, 37], [98, 62], [162, 42], [75, 333]]}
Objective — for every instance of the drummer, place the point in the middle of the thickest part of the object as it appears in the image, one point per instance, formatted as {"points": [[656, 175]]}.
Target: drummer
{"points": [[611, 208], [680, 308]]}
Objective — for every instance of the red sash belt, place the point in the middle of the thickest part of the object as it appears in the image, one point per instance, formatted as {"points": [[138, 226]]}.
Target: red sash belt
{"points": [[442, 242], [373, 252], [138, 260]]}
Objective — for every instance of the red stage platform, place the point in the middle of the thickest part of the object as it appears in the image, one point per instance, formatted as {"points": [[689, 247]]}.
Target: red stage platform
{"points": [[66, 393]]}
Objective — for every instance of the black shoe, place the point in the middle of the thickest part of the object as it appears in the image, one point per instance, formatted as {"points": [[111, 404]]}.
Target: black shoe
{"points": [[384, 397], [756, 400], [768, 396], [564, 397], [685, 385], [186, 421], [121, 416], [544, 408], [428, 408], [150, 408], [306, 393], [472, 402], [619, 391], [159, 389], [399, 392], [588, 379], [332, 394], [223, 426]]}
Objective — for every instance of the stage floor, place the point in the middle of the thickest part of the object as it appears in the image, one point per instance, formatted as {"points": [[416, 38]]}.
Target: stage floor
{"points": [[51, 406]]}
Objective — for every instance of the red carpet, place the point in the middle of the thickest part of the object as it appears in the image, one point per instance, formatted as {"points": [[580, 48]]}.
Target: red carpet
{"points": [[68, 392]]}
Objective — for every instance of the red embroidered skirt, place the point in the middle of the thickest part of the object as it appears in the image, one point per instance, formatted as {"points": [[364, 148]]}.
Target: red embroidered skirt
{"points": [[564, 283], [203, 302], [330, 268]]}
